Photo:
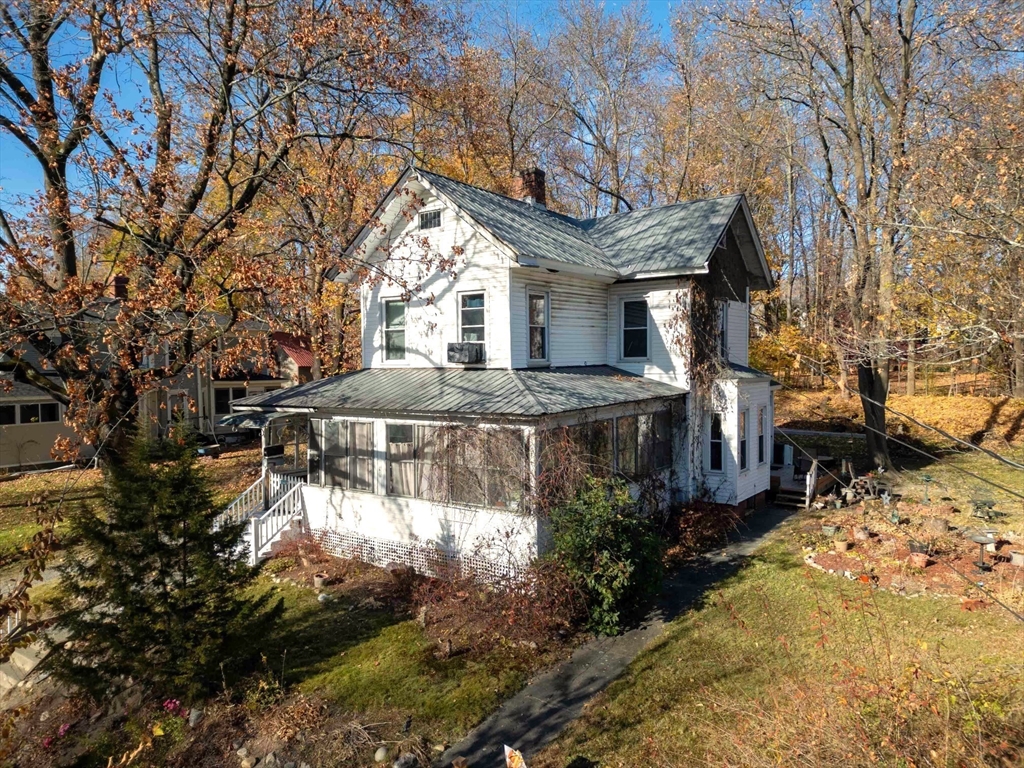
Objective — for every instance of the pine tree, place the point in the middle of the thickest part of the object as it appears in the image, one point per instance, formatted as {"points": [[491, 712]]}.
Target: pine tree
{"points": [[155, 592]]}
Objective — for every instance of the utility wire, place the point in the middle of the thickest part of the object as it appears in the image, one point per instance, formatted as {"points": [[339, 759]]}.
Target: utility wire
{"points": [[918, 450], [998, 457]]}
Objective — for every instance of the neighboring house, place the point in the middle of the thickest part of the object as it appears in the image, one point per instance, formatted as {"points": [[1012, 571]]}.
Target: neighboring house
{"points": [[30, 423], [204, 398], [551, 322]]}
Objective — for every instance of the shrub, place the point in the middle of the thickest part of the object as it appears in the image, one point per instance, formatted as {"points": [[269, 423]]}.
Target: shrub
{"points": [[609, 549], [155, 591]]}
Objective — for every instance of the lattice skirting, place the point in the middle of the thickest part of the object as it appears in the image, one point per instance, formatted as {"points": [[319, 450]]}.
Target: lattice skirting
{"points": [[425, 559]]}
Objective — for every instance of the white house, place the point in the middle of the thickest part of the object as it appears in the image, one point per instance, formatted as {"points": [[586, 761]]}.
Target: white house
{"points": [[488, 324]]}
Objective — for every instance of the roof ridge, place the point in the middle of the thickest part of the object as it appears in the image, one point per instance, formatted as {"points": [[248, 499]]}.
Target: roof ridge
{"points": [[517, 378], [660, 207]]}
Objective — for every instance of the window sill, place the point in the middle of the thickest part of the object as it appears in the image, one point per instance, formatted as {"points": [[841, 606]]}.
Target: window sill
{"points": [[538, 364], [634, 360]]}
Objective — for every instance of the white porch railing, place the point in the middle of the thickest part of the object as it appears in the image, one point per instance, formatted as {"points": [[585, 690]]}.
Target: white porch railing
{"points": [[266, 528], [258, 497], [10, 626], [249, 502]]}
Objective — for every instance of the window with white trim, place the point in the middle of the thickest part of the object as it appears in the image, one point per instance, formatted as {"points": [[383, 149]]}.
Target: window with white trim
{"points": [[744, 417], [30, 413], [430, 219], [762, 429], [394, 329], [224, 396], [716, 444], [472, 317], [537, 320], [634, 330]]}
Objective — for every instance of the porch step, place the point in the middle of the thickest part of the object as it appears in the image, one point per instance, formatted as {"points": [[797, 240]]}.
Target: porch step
{"points": [[791, 499], [23, 661]]}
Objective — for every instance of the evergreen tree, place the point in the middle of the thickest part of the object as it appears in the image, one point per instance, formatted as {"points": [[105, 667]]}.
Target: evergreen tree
{"points": [[155, 591]]}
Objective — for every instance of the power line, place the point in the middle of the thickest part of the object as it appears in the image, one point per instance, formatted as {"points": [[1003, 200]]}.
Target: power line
{"points": [[918, 450], [988, 452]]}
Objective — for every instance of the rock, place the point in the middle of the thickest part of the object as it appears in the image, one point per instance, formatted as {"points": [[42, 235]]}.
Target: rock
{"points": [[270, 759], [242, 752], [381, 755], [44, 716], [305, 765], [236, 744], [290, 764], [324, 597], [439, 748], [406, 760], [250, 762], [421, 616], [194, 716]]}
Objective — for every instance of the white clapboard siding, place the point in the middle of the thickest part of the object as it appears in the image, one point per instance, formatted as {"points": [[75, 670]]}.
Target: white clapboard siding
{"points": [[432, 315], [667, 337], [752, 395], [738, 331], [578, 318]]}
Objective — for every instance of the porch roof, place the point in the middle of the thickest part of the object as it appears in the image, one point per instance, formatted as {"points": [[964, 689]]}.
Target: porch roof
{"points": [[466, 392]]}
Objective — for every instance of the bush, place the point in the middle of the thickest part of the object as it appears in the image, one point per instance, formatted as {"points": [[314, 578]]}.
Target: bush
{"points": [[155, 591], [609, 549]]}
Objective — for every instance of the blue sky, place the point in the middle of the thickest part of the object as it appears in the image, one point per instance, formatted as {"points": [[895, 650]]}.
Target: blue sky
{"points": [[19, 172]]}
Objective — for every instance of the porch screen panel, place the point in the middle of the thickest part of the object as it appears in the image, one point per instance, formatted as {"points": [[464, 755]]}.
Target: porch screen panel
{"points": [[506, 467], [313, 451], [655, 437], [627, 438], [335, 452], [401, 460], [430, 474], [361, 459], [468, 451]]}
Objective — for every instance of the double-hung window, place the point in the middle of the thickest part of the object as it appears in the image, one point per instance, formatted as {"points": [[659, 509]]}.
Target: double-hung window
{"points": [[401, 460], [743, 439], [634, 330], [472, 318], [716, 457], [8, 414], [537, 312], [762, 429], [394, 329]]}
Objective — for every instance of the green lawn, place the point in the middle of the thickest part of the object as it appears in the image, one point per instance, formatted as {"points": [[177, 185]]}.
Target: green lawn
{"points": [[382, 667], [230, 474], [783, 665]]}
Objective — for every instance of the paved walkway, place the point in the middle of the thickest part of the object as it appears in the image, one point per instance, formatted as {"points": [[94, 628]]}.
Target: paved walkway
{"points": [[539, 712]]}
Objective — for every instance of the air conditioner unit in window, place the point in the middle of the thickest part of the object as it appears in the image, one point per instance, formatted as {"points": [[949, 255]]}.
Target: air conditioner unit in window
{"points": [[465, 352]]}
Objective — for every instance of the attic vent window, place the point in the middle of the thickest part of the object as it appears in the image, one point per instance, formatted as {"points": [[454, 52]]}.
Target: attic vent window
{"points": [[430, 219]]}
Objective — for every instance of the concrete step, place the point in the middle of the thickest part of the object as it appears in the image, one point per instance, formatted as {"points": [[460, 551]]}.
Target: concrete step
{"points": [[26, 659], [10, 676]]}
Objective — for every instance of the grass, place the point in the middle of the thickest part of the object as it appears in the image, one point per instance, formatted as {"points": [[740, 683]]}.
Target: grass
{"points": [[785, 665], [381, 666], [230, 474]]}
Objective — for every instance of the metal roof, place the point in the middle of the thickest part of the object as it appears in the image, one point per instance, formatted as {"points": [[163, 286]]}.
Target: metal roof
{"points": [[527, 229], [734, 372], [471, 391], [681, 236]]}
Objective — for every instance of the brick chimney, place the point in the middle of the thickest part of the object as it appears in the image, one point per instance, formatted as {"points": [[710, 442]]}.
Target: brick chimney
{"points": [[120, 287], [530, 187]]}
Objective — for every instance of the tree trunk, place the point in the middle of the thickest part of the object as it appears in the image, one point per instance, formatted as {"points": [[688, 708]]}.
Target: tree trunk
{"points": [[911, 367], [873, 386], [1018, 363]]}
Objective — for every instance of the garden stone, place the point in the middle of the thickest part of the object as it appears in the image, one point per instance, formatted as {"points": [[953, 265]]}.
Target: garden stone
{"points": [[290, 764], [250, 762], [406, 760], [381, 755], [236, 744], [194, 716], [270, 759], [242, 752]]}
